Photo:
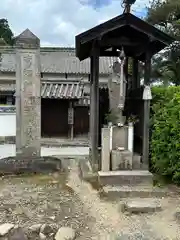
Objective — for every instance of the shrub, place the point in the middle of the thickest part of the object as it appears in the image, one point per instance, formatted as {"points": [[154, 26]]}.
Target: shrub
{"points": [[165, 136]]}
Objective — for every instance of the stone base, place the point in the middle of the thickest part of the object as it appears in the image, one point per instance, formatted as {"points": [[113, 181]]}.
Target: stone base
{"points": [[125, 160], [86, 171], [120, 178], [117, 192], [95, 166], [141, 206], [13, 165]]}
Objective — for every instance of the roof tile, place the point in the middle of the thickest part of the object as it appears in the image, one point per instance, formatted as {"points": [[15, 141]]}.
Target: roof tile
{"points": [[59, 60], [62, 90]]}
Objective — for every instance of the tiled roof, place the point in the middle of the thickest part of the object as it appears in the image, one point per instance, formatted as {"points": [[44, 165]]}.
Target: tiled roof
{"points": [[62, 90], [59, 60], [57, 89]]}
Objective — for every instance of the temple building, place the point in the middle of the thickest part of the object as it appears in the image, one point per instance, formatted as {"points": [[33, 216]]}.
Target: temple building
{"points": [[65, 92]]}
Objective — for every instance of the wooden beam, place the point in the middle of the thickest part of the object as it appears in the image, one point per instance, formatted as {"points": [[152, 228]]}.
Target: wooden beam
{"points": [[147, 75], [142, 48], [113, 53], [94, 107], [102, 29], [138, 50], [119, 42], [154, 36]]}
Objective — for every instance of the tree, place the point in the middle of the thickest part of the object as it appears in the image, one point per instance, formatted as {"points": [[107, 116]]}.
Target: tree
{"points": [[5, 32], [166, 16], [166, 71]]}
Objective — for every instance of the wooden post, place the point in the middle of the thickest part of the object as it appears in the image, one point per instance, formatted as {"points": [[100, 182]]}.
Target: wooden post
{"points": [[126, 66], [146, 98], [71, 120], [94, 108], [135, 73]]}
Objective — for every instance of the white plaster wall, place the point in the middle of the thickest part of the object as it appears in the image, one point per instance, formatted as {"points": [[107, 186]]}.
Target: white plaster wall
{"points": [[10, 78], [7, 124]]}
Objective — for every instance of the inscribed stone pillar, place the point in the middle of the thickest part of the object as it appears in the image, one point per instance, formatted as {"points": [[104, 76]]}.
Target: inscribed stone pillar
{"points": [[28, 98], [105, 150]]}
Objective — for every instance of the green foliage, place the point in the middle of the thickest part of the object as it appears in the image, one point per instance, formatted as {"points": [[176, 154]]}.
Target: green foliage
{"points": [[165, 139], [111, 117], [166, 16], [5, 32]]}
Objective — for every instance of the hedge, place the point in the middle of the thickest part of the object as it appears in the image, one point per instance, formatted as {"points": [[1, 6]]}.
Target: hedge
{"points": [[165, 133]]}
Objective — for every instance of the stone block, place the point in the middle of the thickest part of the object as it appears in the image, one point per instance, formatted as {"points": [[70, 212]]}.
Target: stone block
{"points": [[12, 165], [105, 149], [141, 206], [117, 192], [120, 178], [121, 160], [136, 162], [116, 160], [86, 171], [120, 137]]}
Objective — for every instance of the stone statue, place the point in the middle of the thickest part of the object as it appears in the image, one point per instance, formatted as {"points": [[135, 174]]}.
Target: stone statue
{"points": [[117, 90]]}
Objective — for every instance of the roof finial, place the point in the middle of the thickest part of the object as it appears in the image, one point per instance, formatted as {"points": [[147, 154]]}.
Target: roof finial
{"points": [[127, 5]]}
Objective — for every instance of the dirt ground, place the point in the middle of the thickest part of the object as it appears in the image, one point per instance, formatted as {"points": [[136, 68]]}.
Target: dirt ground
{"points": [[68, 201], [42, 199]]}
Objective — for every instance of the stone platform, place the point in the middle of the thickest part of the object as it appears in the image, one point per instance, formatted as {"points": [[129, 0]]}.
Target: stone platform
{"points": [[117, 192], [120, 178], [125, 184]]}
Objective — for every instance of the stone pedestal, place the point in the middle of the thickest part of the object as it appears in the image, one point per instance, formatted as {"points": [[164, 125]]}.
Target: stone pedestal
{"points": [[116, 160], [120, 137], [121, 160], [28, 97]]}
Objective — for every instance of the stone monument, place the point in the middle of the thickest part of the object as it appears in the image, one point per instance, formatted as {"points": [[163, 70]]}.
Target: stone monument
{"points": [[116, 153], [28, 97], [117, 90]]}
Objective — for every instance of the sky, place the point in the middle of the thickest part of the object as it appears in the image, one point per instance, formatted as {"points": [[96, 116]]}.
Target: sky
{"points": [[56, 22]]}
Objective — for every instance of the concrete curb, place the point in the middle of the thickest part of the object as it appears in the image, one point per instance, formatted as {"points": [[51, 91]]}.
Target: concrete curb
{"points": [[64, 145], [12, 140]]}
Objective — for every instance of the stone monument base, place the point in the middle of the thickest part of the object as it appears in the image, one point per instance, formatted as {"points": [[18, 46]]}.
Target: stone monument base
{"points": [[15, 166]]}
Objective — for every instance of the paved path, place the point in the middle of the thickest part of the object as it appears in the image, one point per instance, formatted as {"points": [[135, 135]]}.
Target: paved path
{"points": [[7, 150]]}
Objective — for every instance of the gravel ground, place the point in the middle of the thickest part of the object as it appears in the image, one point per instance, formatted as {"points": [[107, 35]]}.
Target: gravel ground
{"points": [[66, 200], [118, 226], [42, 199]]}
